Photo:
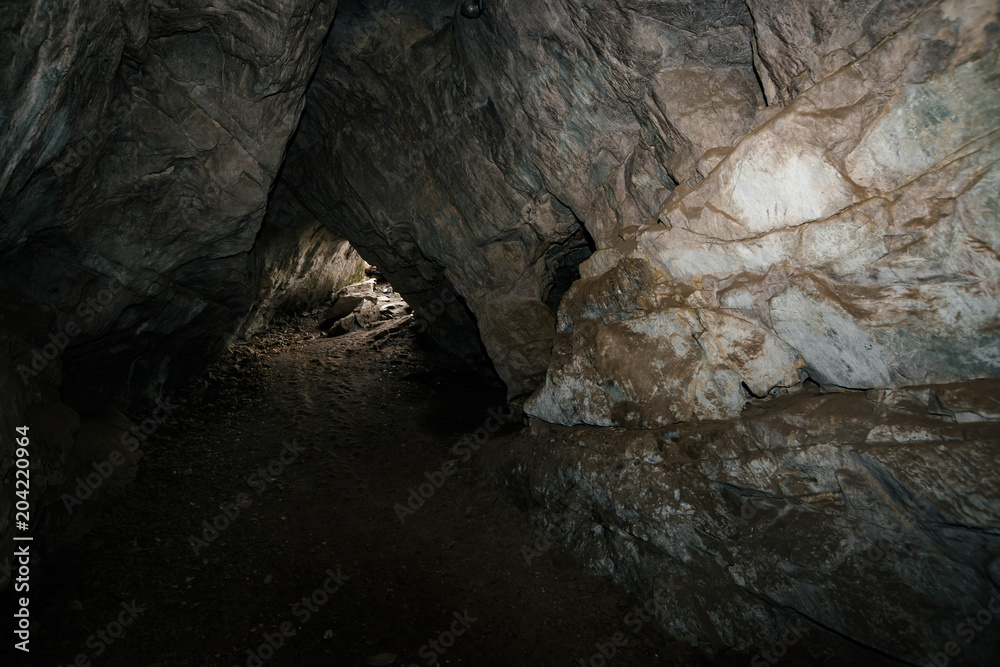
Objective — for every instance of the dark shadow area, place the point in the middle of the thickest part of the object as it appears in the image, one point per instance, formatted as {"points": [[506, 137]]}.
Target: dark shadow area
{"points": [[301, 460]]}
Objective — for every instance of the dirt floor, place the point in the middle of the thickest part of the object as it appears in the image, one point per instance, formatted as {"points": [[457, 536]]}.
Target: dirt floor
{"points": [[317, 561]]}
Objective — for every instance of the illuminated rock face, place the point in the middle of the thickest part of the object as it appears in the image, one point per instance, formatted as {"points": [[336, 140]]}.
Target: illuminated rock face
{"points": [[850, 238], [809, 185], [868, 520]]}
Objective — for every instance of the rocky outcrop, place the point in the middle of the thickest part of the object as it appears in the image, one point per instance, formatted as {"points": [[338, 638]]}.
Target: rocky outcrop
{"points": [[144, 139], [355, 307], [141, 142], [516, 144], [480, 162], [300, 261], [485, 159], [868, 522], [847, 239]]}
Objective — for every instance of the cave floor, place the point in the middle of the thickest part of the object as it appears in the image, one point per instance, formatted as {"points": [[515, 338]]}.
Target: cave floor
{"points": [[372, 411]]}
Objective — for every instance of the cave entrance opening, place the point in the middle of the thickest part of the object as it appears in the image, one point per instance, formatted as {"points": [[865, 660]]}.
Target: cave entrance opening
{"points": [[363, 304]]}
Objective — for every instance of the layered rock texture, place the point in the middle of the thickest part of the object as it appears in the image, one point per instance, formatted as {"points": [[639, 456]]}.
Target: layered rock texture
{"points": [[860, 526], [833, 217], [301, 262], [141, 142], [850, 237], [645, 213]]}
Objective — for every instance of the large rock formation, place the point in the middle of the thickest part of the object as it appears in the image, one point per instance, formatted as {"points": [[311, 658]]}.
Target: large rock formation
{"points": [[491, 156], [771, 194], [645, 212], [848, 238], [833, 162], [143, 140], [867, 523]]}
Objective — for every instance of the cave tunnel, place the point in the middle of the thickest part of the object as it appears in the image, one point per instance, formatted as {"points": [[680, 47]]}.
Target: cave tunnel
{"points": [[491, 333]]}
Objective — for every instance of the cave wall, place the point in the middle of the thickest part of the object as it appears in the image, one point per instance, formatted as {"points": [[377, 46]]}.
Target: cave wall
{"points": [[791, 185], [141, 143], [491, 156], [401, 159], [784, 221], [144, 140], [866, 523], [851, 238], [646, 213]]}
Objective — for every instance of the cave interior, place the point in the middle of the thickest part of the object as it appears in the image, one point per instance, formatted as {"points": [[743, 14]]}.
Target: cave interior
{"points": [[375, 332]]}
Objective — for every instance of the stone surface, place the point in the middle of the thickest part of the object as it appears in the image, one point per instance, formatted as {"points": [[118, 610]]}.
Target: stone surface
{"points": [[141, 143], [799, 43], [300, 261], [342, 307], [646, 213], [144, 139], [350, 300], [850, 239], [871, 519], [364, 313], [478, 162]]}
